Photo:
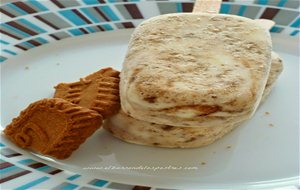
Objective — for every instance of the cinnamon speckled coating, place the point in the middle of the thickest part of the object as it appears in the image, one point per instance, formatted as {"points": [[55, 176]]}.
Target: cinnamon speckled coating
{"points": [[140, 132], [136, 131], [194, 69], [276, 70]]}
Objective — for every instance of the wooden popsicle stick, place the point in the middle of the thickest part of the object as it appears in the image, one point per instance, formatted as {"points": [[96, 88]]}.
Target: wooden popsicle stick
{"points": [[207, 6], [213, 6], [265, 23]]}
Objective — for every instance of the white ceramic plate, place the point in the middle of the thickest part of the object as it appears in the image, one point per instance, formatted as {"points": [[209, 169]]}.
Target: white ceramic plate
{"points": [[254, 155]]}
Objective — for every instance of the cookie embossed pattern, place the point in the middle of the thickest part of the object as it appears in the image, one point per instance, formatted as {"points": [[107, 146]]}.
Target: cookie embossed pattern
{"points": [[45, 129], [98, 91], [28, 24]]}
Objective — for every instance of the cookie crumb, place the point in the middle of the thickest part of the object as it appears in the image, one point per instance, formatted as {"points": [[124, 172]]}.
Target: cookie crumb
{"points": [[271, 125], [267, 113], [26, 68], [203, 163], [228, 147]]}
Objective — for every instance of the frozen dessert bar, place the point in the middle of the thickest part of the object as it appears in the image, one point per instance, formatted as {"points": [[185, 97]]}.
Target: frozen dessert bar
{"points": [[195, 70]]}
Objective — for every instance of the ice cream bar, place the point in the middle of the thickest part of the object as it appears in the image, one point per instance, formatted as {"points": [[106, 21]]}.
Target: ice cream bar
{"points": [[195, 69]]}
